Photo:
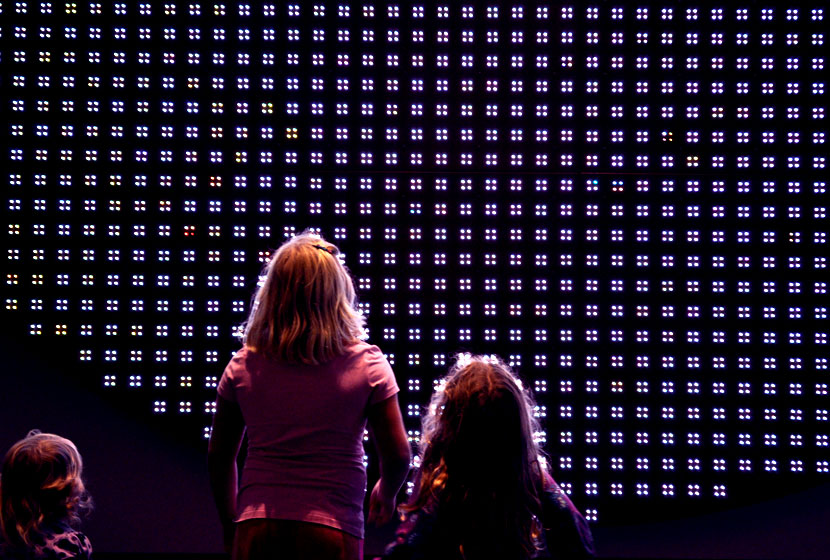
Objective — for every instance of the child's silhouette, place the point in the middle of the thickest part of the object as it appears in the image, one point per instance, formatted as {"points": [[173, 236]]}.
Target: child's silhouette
{"points": [[42, 497], [483, 489]]}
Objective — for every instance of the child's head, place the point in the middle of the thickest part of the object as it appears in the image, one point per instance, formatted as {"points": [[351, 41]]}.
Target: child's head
{"points": [[480, 422], [479, 458], [41, 484], [304, 312]]}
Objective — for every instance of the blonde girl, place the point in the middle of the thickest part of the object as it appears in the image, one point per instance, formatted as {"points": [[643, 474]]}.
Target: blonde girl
{"points": [[304, 386]]}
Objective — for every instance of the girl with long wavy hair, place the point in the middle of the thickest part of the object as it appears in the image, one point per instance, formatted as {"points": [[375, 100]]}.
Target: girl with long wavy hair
{"points": [[304, 386], [482, 489], [42, 499]]}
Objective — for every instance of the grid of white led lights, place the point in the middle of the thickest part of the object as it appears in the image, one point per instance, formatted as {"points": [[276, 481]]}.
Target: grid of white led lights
{"points": [[625, 202]]}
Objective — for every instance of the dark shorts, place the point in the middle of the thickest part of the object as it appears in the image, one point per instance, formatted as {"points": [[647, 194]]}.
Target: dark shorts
{"points": [[282, 539]]}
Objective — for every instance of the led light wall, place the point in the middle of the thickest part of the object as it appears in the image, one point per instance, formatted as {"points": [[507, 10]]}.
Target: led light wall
{"points": [[625, 201]]}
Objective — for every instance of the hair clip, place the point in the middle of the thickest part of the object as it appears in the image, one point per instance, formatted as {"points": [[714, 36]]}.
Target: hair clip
{"points": [[323, 248]]}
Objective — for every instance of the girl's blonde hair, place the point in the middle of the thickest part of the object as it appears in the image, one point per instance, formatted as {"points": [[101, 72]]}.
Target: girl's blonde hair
{"points": [[41, 484], [482, 469], [304, 312]]}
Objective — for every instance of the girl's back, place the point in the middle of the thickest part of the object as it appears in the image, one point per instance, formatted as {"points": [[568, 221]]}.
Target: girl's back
{"points": [[483, 490], [305, 427], [304, 387]]}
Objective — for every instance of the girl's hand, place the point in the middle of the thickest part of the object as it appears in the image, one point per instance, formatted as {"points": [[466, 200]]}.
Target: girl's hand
{"points": [[381, 507]]}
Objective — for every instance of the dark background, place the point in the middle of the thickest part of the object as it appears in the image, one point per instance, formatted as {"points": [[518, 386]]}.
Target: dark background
{"points": [[146, 470]]}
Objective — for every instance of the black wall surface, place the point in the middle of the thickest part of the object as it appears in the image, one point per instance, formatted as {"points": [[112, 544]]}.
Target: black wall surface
{"points": [[151, 492]]}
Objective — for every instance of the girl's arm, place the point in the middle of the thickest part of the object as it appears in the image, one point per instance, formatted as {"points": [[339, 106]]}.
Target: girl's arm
{"points": [[567, 533], [393, 450], [223, 448]]}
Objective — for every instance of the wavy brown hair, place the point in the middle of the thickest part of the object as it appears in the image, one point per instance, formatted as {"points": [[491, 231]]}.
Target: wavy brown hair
{"points": [[304, 312], [41, 485], [481, 469]]}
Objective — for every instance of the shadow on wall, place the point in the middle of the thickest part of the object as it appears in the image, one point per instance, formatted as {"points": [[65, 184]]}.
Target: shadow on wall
{"points": [[791, 527], [150, 495]]}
